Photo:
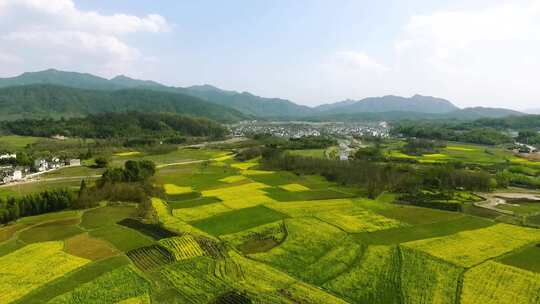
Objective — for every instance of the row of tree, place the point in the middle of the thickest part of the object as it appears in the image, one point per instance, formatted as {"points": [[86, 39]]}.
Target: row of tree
{"points": [[379, 177], [48, 201], [450, 132], [129, 184], [147, 127]]}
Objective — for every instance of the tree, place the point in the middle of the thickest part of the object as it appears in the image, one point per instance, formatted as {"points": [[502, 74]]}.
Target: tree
{"points": [[101, 162], [373, 154]]}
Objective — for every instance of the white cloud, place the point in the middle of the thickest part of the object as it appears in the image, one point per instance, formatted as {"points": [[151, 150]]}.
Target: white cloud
{"points": [[359, 61], [485, 56], [60, 35]]}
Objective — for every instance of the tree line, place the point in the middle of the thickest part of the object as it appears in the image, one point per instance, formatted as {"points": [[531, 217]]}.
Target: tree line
{"points": [[148, 128], [378, 177], [450, 132], [129, 184], [34, 204]]}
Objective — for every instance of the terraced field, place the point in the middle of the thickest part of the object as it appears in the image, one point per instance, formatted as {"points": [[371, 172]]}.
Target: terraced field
{"points": [[230, 232]]}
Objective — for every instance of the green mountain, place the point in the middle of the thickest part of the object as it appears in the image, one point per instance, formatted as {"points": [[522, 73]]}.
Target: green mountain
{"points": [[248, 103], [373, 108], [390, 103], [68, 79], [466, 114], [41, 101]]}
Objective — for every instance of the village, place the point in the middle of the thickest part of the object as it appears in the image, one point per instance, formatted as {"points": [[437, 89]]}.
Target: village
{"points": [[11, 171], [299, 129]]}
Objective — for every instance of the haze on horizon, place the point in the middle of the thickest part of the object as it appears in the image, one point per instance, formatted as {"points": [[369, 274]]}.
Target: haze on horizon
{"points": [[473, 53]]}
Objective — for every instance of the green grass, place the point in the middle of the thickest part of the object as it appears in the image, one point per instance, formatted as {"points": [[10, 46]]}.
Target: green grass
{"points": [[238, 220], [102, 224], [52, 231], [19, 190], [373, 278], [124, 239], [74, 172], [523, 208], [114, 286], [104, 216], [10, 246], [71, 281], [528, 258], [15, 142], [466, 153], [534, 220], [312, 250], [183, 197], [193, 202], [407, 234], [409, 214], [197, 176], [179, 155], [316, 153]]}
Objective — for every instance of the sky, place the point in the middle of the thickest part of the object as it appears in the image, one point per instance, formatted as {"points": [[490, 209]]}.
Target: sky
{"points": [[473, 53]]}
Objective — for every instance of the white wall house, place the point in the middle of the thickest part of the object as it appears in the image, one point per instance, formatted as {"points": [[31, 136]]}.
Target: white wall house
{"points": [[8, 156], [74, 162], [41, 165]]}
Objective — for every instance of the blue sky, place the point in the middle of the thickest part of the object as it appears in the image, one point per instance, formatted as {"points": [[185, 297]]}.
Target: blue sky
{"points": [[311, 52]]}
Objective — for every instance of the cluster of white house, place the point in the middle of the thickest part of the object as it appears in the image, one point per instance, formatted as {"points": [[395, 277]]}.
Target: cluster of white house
{"points": [[10, 173]]}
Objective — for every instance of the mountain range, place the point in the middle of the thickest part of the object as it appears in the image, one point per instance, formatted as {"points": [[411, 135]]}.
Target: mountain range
{"points": [[92, 93]]}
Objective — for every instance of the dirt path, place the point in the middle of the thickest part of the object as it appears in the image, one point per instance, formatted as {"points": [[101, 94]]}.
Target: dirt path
{"points": [[493, 200]]}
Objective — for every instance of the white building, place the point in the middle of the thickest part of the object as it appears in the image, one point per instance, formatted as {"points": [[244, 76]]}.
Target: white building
{"points": [[8, 156], [17, 175], [41, 165], [74, 162]]}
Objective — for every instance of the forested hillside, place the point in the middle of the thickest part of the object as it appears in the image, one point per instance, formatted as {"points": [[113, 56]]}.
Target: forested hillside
{"points": [[46, 101], [118, 125]]}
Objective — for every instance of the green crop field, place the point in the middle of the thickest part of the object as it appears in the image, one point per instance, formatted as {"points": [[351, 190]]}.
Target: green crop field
{"points": [[234, 233], [14, 142], [238, 220]]}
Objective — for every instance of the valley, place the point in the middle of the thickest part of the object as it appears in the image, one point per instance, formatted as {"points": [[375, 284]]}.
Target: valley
{"points": [[229, 231]]}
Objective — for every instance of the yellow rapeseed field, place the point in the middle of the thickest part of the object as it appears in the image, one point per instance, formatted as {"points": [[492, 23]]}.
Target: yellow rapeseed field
{"points": [[256, 172], [244, 166], [469, 248], [493, 283], [143, 299], [355, 220], [33, 266], [182, 247], [200, 212], [223, 157], [130, 153], [242, 196], [308, 208], [174, 189], [171, 222], [294, 187], [233, 179]]}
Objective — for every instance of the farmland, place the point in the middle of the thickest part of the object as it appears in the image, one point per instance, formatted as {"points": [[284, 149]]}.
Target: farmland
{"points": [[231, 232]]}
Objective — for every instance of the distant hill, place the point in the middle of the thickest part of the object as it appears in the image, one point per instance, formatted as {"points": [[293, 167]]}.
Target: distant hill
{"points": [[483, 112], [68, 79], [390, 103], [532, 111], [466, 114], [250, 105], [40, 101]]}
